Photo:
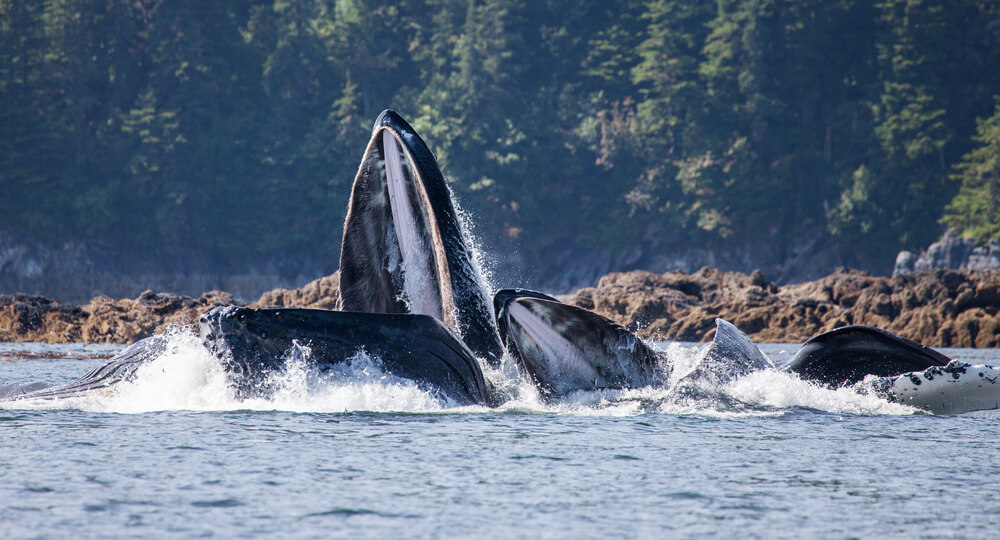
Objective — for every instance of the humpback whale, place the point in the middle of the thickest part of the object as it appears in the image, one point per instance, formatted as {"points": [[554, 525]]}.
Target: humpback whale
{"points": [[254, 344], [408, 284], [898, 369], [403, 249], [412, 297], [566, 348]]}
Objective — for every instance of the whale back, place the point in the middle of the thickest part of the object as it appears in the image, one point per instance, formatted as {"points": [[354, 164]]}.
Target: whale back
{"points": [[846, 355]]}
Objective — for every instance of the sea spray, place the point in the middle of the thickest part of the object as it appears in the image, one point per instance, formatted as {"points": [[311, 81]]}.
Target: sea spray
{"points": [[358, 384], [187, 377], [783, 390], [483, 264]]}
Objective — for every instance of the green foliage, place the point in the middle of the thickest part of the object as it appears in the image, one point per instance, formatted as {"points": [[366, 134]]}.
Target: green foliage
{"points": [[975, 210], [236, 128]]}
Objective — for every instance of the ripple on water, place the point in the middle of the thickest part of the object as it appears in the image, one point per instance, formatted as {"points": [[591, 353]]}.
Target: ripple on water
{"points": [[178, 459]]}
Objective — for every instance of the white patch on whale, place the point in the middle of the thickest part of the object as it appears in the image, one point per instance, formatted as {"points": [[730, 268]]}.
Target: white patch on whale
{"points": [[420, 289]]}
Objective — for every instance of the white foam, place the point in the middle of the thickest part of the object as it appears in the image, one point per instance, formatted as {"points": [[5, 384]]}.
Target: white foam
{"points": [[188, 377], [782, 390]]}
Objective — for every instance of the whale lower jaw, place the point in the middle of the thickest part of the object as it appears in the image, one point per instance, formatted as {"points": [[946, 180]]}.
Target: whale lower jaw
{"points": [[565, 348], [252, 344]]}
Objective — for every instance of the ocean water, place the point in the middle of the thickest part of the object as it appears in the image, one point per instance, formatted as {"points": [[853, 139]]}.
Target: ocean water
{"points": [[358, 453]]}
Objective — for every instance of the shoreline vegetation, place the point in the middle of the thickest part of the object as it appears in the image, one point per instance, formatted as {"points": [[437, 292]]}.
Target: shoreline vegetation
{"points": [[232, 129], [939, 308]]}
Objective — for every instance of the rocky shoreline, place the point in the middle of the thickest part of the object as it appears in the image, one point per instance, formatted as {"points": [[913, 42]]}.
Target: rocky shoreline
{"points": [[940, 308]]}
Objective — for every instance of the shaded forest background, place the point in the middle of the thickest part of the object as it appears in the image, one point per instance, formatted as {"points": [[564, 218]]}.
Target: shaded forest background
{"points": [[235, 128]]}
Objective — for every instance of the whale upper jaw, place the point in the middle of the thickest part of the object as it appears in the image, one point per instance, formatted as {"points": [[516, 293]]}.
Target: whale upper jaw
{"points": [[403, 249]]}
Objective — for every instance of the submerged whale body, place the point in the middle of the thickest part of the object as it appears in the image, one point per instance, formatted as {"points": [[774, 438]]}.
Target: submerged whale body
{"points": [[121, 368], [848, 354]]}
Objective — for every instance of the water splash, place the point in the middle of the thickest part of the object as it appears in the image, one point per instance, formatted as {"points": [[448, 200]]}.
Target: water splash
{"points": [[483, 263], [188, 377], [783, 390]]}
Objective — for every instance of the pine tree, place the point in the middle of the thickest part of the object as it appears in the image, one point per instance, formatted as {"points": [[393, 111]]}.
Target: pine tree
{"points": [[975, 210]]}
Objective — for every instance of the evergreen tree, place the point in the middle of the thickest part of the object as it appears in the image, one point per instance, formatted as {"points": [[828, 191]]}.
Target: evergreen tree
{"points": [[975, 210]]}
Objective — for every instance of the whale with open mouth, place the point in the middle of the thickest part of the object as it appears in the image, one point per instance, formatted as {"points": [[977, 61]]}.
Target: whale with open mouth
{"points": [[412, 296], [404, 250], [566, 348]]}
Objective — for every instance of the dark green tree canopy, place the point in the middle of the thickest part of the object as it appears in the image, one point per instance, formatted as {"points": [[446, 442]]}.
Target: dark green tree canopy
{"points": [[236, 127]]}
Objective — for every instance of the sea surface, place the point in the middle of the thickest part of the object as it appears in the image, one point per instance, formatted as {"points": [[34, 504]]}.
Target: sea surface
{"points": [[358, 454]]}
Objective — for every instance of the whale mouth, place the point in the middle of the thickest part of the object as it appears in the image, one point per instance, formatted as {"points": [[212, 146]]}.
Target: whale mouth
{"points": [[393, 258], [565, 348], [404, 250]]}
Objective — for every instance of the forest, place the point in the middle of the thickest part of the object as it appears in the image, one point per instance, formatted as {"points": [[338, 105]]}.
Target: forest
{"points": [[237, 127]]}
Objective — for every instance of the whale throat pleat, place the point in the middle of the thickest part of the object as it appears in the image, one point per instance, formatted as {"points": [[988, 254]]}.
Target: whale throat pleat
{"points": [[564, 362], [419, 278]]}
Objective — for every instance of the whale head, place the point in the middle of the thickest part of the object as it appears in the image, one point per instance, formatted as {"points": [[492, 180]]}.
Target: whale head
{"points": [[403, 249], [565, 348]]}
